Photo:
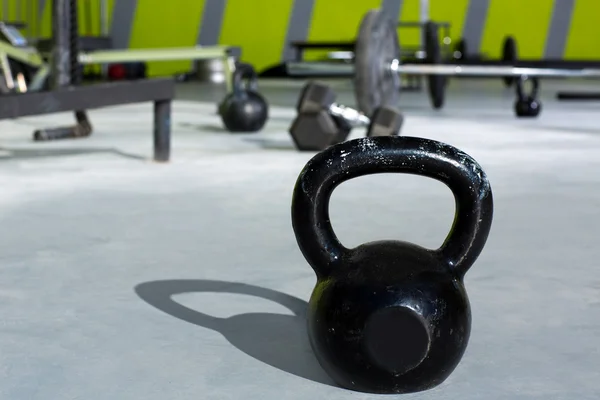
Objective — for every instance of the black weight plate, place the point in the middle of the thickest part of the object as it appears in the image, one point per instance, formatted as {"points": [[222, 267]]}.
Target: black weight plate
{"points": [[436, 83], [509, 54], [375, 84]]}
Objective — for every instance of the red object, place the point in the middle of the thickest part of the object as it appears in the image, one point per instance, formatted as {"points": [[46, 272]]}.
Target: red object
{"points": [[116, 72]]}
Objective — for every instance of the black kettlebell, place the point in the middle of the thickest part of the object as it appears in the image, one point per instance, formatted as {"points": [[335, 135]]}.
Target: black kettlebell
{"points": [[527, 104], [390, 316], [244, 109]]}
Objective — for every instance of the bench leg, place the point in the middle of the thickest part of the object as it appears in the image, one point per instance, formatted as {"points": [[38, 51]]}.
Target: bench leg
{"points": [[162, 130]]}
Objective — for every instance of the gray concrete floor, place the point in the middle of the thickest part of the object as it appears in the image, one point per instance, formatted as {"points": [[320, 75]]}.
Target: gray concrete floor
{"points": [[125, 279]]}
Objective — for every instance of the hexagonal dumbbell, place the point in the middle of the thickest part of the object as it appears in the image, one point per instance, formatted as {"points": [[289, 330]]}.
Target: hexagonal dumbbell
{"points": [[317, 131], [321, 122]]}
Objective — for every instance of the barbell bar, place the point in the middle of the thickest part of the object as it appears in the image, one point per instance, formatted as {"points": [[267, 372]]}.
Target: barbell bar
{"points": [[352, 116], [313, 69]]}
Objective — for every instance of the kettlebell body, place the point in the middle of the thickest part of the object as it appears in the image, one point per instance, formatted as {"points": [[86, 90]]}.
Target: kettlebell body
{"points": [[527, 107], [390, 316], [244, 109], [527, 104]]}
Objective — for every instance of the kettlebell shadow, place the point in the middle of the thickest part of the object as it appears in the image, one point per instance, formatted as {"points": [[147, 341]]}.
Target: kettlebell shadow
{"points": [[278, 340]]}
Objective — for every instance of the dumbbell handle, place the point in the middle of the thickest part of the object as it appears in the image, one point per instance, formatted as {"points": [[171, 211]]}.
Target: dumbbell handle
{"points": [[354, 117]]}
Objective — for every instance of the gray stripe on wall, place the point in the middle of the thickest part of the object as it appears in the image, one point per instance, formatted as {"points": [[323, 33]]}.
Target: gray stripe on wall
{"points": [[477, 11], [211, 22], [556, 39], [122, 23], [41, 7], [38, 22], [392, 8], [298, 26]]}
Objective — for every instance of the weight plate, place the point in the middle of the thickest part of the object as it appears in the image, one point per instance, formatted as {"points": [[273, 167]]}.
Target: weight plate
{"points": [[436, 83], [375, 84], [509, 54]]}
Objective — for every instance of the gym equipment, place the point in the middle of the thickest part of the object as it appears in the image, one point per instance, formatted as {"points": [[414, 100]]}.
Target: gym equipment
{"points": [[509, 55], [377, 38], [383, 65], [97, 51], [321, 122], [167, 54], [244, 109], [66, 93], [18, 57], [318, 124], [527, 104], [385, 121], [317, 131], [390, 316], [436, 83]]}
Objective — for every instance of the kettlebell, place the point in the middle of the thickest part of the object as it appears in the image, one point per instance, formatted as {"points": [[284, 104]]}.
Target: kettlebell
{"points": [[527, 105], [389, 316], [244, 109]]}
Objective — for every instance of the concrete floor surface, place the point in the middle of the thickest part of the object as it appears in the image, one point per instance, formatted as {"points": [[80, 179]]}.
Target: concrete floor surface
{"points": [[125, 279]]}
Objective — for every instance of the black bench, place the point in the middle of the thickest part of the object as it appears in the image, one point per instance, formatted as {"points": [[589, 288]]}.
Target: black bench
{"points": [[159, 91]]}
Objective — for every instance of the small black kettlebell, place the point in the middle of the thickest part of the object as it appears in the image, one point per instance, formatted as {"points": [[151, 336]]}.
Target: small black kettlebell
{"points": [[389, 316], [527, 105], [244, 109]]}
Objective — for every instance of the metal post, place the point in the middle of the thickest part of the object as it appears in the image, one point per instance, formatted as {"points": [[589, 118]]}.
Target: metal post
{"points": [[162, 130], [61, 37]]}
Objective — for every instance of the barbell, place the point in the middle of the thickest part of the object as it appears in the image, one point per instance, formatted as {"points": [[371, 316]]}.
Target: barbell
{"points": [[377, 66]]}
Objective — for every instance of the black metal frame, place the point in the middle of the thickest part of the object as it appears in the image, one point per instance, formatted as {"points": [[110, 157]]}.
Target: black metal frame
{"points": [[67, 93]]}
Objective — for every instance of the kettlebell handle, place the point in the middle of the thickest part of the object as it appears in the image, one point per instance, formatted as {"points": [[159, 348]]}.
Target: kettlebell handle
{"points": [[520, 87], [337, 164], [244, 73]]}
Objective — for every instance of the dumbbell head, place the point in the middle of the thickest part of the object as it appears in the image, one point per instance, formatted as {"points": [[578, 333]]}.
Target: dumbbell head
{"points": [[317, 131], [314, 98], [386, 121]]}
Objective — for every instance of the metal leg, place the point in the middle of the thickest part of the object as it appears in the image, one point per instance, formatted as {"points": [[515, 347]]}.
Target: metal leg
{"points": [[81, 129], [162, 130]]}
